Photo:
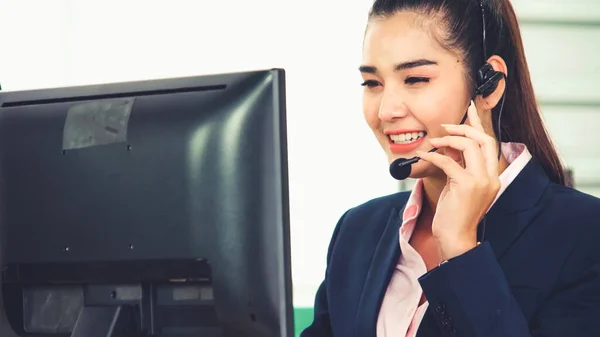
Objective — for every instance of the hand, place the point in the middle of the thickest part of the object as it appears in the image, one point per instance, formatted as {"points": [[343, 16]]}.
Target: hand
{"points": [[470, 190]]}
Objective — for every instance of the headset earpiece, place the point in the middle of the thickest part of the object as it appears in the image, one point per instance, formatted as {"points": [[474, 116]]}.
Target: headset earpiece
{"points": [[487, 80]]}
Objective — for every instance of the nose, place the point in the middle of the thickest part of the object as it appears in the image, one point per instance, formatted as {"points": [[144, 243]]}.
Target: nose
{"points": [[392, 106]]}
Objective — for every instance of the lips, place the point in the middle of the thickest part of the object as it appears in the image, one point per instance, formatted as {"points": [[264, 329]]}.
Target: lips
{"points": [[403, 141]]}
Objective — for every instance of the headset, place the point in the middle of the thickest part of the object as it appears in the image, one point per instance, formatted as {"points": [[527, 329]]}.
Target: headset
{"points": [[487, 82]]}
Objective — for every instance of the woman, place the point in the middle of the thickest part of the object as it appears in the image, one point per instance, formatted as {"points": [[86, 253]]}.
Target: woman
{"points": [[489, 242]]}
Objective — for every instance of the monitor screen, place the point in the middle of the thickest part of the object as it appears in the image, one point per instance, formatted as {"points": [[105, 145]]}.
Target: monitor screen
{"points": [[151, 208]]}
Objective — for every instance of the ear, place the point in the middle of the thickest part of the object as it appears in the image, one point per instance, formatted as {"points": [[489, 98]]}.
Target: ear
{"points": [[493, 99]]}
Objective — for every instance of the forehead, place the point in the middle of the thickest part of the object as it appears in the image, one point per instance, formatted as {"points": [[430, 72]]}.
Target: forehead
{"points": [[405, 36]]}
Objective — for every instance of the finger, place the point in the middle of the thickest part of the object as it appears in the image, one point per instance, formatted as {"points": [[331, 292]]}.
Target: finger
{"points": [[454, 154], [450, 167], [473, 117], [488, 144], [474, 160]]}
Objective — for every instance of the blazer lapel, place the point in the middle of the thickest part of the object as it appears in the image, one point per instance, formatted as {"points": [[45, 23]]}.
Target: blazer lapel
{"points": [[382, 266], [515, 208]]}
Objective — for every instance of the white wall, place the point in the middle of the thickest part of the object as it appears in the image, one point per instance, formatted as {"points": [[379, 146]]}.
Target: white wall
{"points": [[557, 10], [67, 42], [334, 161], [562, 43]]}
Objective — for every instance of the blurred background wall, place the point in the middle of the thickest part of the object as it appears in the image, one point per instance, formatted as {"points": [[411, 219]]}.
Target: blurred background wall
{"points": [[73, 42]]}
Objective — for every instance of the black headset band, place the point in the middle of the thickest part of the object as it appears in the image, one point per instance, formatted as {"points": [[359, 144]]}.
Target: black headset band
{"points": [[483, 24]]}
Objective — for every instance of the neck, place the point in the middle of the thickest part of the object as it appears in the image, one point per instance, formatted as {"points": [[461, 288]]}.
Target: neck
{"points": [[434, 185], [432, 189]]}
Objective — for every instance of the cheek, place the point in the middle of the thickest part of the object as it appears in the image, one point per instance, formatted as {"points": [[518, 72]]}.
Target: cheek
{"points": [[371, 112], [439, 107], [432, 113]]}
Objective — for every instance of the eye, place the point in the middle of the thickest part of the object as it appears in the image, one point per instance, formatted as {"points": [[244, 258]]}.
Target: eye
{"points": [[413, 80], [370, 83]]}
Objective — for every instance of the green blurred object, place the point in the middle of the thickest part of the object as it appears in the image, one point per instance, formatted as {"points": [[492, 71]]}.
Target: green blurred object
{"points": [[303, 317]]}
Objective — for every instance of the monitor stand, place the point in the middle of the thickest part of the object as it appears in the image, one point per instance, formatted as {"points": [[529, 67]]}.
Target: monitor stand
{"points": [[106, 321]]}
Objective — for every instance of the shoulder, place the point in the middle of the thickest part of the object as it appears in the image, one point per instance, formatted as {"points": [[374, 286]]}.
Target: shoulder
{"points": [[366, 222], [575, 222], [380, 206], [576, 219], [568, 203], [569, 214], [373, 213]]}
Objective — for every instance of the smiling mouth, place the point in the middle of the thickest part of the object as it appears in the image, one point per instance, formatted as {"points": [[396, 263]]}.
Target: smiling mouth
{"points": [[407, 138]]}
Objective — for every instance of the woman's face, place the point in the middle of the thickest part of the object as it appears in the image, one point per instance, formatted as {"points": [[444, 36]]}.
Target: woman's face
{"points": [[411, 86]]}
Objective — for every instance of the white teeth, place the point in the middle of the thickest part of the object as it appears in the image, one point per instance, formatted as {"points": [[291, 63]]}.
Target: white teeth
{"points": [[406, 138]]}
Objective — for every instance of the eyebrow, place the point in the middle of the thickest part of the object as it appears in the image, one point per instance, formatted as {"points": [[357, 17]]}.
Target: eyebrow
{"points": [[400, 66]]}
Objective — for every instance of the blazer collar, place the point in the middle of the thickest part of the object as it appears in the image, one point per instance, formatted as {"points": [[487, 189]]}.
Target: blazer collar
{"points": [[525, 190]]}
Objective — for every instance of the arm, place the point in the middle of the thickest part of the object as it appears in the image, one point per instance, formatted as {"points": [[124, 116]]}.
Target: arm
{"points": [[470, 297], [320, 326]]}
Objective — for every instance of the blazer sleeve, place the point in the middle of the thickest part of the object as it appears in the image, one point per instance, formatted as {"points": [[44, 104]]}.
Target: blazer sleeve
{"points": [[320, 326], [470, 297]]}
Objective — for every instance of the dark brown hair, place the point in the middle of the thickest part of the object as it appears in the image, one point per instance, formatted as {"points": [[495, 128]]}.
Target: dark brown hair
{"points": [[521, 118]]}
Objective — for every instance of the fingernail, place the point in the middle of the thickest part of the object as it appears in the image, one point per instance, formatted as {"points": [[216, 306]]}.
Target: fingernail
{"points": [[434, 139], [448, 125], [420, 153]]}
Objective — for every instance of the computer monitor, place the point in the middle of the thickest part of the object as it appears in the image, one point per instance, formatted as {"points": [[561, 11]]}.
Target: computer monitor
{"points": [[151, 208]]}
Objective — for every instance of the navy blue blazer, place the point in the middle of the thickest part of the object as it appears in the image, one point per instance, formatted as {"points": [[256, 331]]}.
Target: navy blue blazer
{"points": [[536, 274]]}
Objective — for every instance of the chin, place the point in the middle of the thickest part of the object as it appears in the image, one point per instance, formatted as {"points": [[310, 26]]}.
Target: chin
{"points": [[393, 156]]}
